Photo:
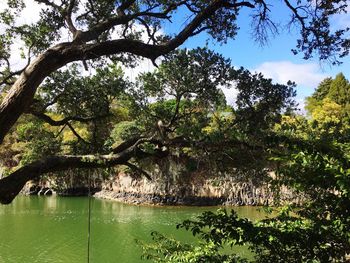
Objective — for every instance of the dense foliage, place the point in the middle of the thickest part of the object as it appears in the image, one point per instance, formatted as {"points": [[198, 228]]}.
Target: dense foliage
{"points": [[330, 102], [315, 163], [99, 32]]}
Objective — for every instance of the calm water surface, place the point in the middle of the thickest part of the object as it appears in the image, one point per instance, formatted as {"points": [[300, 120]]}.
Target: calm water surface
{"points": [[54, 229]]}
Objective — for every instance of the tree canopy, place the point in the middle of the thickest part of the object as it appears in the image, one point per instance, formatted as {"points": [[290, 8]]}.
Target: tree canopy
{"points": [[121, 30], [331, 101], [95, 32]]}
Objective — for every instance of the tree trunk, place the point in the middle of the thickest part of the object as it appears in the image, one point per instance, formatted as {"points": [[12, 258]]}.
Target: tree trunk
{"points": [[22, 92]]}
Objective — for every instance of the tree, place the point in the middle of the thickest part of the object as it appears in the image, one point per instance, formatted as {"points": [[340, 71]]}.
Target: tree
{"points": [[72, 115], [323, 89], [339, 90], [335, 92], [195, 120], [116, 29], [185, 113]]}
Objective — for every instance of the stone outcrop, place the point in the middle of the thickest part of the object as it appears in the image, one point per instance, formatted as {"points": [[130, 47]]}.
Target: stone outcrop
{"points": [[50, 186], [78, 191], [174, 185], [228, 192], [38, 189]]}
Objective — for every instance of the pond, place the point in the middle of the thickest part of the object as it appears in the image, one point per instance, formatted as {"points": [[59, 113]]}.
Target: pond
{"points": [[54, 229]]}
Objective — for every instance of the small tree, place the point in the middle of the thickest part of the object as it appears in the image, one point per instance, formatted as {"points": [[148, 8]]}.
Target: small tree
{"points": [[331, 91]]}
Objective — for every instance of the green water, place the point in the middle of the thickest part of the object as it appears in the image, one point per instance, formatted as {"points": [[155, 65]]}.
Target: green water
{"points": [[54, 229]]}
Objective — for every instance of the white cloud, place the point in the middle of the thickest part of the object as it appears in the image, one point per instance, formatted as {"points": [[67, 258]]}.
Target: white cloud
{"points": [[144, 65], [306, 75], [29, 14], [301, 106], [230, 94]]}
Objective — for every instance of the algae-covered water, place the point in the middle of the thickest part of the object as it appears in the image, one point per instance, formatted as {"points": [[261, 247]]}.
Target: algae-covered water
{"points": [[54, 229]]}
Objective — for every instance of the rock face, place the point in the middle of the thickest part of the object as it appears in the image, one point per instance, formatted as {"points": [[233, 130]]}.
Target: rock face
{"points": [[38, 189], [228, 192], [78, 191], [52, 185], [175, 181], [174, 185]]}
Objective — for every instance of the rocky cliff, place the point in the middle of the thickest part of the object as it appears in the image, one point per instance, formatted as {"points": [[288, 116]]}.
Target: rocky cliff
{"points": [[174, 184], [175, 181]]}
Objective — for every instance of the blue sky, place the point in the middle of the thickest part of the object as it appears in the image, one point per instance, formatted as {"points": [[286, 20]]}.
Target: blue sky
{"points": [[274, 60]]}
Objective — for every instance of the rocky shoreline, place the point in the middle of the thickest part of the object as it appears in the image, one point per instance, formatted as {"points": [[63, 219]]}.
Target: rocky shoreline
{"points": [[157, 199], [153, 198], [173, 188], [47, 191]]}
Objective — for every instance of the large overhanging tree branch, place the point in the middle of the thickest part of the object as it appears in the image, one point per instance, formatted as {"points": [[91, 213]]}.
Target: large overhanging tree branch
{"points": [[21, 94], [92, 24], [11, 185]]}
